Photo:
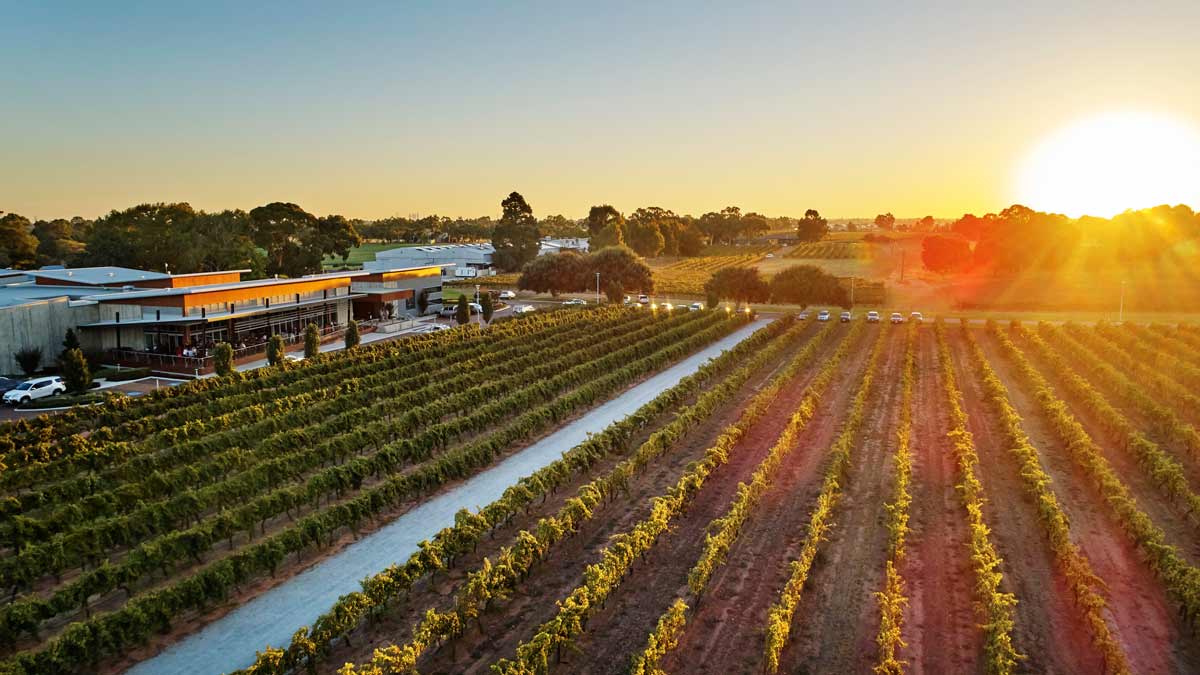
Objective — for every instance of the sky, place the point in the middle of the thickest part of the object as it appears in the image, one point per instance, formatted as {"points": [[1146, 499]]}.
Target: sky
{"points": [[379, 109]]}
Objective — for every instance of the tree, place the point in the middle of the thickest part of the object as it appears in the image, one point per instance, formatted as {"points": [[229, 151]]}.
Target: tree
{"points": [[925, 224], [885, 221], [18, 246], [485, 303], [75, 372], [223, 359], [352, 338], [516, 237], [754, 225], [812, 227], [724, 226], [312, 341], [295, 240], [611, 235], [601, 217], [70, 341], [970, 227], [275, 350], [665, 221], [561, 272], [29, 359], [462, 313], [621, 271], [422, 302], [945, 255], [807, 285], [561, 227], [60, 241], [740, 284], [644, 237], [691, 241]]}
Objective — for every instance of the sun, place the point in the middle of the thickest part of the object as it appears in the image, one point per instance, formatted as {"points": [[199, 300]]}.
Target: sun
{"points": [[1105, 164]]}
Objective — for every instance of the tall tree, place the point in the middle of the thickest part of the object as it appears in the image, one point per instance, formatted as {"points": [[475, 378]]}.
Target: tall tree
{"points": [[740, 284], [621, 271], [600, 217], [488, 307], [223, 359], [516, 237], [59, 242], [312, 341], [275, 350], [812, 227], [295, 240], [925, 224], [18, 246], [562, 272], [885, 221], [643, 234], [612, 235], [945, 255], [75, 372], [462, 312], [561, 227], [352, 336]]}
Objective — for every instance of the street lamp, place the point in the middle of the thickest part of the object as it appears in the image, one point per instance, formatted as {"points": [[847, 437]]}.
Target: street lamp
{"points": [[597, 288]]}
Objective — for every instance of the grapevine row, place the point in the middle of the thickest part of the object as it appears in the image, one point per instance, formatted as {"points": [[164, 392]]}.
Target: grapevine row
{"points": [[380, 590], [779, 616], [995, 606], [728, 527], [1181, 579], [111, 634]]}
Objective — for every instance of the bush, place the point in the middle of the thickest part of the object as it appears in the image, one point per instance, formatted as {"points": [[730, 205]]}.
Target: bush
{"points": [[312, 341], [352, 338], [462, 313], [122, 375], [485, 301], [75, 371], [29, 359], [67, 400], [223, 359], [275, 350]]}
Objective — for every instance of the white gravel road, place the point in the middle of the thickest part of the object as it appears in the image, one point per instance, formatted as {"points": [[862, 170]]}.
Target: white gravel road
{"points": [[270, 619]]}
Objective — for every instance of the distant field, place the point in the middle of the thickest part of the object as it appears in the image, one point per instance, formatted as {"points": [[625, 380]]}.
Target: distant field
{"points": [[358, 256]]}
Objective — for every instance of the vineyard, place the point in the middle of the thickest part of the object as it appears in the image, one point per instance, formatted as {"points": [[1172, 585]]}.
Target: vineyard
{"points": [[827, 250], [820, 497], [687, 276]]}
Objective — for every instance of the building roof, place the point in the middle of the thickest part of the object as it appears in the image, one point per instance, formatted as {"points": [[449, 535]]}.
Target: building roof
{"points": [[97, 276], [13, 295]]}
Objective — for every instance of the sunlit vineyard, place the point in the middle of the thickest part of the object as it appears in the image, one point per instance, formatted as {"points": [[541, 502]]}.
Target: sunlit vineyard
{"points": [[826, 250], [821, 497]]}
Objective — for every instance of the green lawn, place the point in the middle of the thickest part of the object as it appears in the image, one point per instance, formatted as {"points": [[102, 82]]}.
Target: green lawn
{"points": [[358, 256]]}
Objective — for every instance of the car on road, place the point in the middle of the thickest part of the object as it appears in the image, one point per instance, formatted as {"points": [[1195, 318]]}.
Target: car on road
{"points": [[802, 316], [916, 317], [847, 317], [770, 255], [524, 309], [695, 306], [872, 317], [38, 387], [643, 299], [450, 310], [508, 295], [667, 306], [575, 302], [897, 317], [294, 357], [823, 315]]}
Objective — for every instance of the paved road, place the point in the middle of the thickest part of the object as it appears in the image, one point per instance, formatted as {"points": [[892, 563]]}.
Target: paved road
{"points": [[232, 641]]}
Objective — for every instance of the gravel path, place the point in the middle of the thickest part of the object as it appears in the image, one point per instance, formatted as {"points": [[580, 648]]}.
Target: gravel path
{"points": [[232, 641]]}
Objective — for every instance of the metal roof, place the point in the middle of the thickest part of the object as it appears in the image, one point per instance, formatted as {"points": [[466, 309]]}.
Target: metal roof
{"points": [[98, 276]]}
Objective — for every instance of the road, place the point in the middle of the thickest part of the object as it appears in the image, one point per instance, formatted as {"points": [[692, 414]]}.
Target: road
{"points": [[232, 641]]}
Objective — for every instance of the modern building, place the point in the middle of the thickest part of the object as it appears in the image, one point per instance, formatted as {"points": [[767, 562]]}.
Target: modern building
{"points": [[130, 314], [460, 260]]}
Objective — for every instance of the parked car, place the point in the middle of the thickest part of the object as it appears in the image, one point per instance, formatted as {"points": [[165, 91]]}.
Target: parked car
{"points": [[872, 317], [695, 306], [524, 309], [916, 316], [667, 306], [451, 309], [575, 301], [802, 316], [823, 315], [508, 295], [847, 317], [643, 299], [38, 387], [897, 317], [770, 255], [291, 356]]}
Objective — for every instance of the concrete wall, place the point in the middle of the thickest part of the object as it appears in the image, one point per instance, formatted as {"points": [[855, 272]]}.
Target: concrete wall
{"points": [[42, 323]]}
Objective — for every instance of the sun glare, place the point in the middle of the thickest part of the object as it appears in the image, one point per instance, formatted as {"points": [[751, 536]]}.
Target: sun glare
{"points": [[1105, 164]]}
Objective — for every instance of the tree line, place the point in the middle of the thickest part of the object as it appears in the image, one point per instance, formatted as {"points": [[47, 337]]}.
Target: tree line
{"points": [[277, 238]]}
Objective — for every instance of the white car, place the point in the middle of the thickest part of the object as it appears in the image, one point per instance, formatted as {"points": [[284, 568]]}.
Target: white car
{"points": [[294, 357], [802, 316], [508, 295], [916, 317], [872, 317], [524, 309], [667, 306], [897, 317], [575, 302], [695, 306], [823, 315], [643, 299], [847, 317], [770, 255], [38, 387]]}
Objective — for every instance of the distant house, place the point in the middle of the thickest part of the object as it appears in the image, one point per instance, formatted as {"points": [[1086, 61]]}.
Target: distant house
{"points": [[461, 260]]}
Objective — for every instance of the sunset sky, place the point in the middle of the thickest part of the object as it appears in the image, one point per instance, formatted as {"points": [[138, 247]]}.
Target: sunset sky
{"points": [[444, 108]]}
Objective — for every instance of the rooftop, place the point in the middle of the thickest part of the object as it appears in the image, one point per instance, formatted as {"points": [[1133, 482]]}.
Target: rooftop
{"points": [[97, 276]]}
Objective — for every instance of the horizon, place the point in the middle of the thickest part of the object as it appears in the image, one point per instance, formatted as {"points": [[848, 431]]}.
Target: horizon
{"points": [[388, 110]]}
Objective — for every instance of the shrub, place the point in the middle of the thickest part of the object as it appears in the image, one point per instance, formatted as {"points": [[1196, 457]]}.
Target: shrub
{"points": [[223, 359], [29, 359], [75, 372], [275, 350], [312, 341], [462, 314], [352, 338]]}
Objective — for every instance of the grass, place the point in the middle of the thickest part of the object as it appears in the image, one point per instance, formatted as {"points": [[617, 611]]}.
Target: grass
{"points": [[359, 255]]}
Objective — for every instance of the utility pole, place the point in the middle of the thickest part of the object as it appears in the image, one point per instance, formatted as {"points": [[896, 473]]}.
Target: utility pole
{"points": [[597, 288], [902, 265], [852, 284], [1121, 311]]}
